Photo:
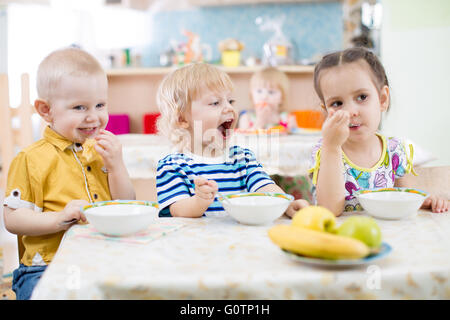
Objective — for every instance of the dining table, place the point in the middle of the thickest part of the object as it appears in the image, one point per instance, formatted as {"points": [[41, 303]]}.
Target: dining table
{"points": [[216, 257], [279, 154], [287, 155]]}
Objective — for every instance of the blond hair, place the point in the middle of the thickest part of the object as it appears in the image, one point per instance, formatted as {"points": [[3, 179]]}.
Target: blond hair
{"points": [[177, 91], [61, 63], [272, 77]]}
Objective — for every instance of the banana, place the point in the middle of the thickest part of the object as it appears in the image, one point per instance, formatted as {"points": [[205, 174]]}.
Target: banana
{"points": [[316, 243]]}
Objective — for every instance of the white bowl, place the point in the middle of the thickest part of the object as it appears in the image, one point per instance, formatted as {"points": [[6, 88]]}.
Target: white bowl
{"points": [[256, 208], [391, 203], [121, 217]]}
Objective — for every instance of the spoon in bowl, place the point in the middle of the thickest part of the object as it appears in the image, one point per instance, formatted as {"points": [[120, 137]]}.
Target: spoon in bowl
{"points": [[224, 197]]}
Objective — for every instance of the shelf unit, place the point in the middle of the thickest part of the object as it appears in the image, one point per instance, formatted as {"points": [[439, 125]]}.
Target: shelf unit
{"points": [[229, 70], [133, 90]]}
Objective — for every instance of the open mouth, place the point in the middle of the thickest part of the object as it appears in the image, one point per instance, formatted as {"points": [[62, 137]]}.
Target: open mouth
{"points": [[225, 128], [88, 131], [354, 126]]}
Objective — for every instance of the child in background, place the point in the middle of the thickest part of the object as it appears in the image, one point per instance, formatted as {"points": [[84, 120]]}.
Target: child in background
{"points": [[49, 181], [269, 89], [198, 115], [352, 155]]}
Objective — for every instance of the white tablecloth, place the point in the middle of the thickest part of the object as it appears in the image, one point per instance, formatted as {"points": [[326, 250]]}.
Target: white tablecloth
{"points": [[284, 155], [218, 258]]}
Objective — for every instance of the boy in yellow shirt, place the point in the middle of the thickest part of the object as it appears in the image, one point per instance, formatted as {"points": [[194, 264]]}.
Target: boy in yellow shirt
{"points": [[49, 181]]}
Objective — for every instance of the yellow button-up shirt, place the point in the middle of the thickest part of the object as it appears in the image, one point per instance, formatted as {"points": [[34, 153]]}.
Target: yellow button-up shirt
{"points": [[45, 177]]}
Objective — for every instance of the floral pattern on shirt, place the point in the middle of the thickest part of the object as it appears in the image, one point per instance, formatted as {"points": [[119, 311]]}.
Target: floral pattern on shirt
{"points": [[394, 163]]}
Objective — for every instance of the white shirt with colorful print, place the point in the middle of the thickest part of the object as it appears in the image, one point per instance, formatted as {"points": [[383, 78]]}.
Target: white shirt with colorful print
{"points": [[395, 162]]}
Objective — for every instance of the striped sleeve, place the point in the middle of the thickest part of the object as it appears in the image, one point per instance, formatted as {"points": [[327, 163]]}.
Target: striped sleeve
{"points": [[256, 177], [172, 184]]}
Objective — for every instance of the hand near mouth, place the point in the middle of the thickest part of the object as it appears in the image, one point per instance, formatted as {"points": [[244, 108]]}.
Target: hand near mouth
{"points": [[109, 148], [265, 116], [261, 104], [336, 129]]}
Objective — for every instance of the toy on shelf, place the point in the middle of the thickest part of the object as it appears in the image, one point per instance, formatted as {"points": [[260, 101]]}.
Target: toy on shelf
{"points": [[231, 52], [149, 123], [309, 119], [118, 124], [278, 49], [191, 51]]}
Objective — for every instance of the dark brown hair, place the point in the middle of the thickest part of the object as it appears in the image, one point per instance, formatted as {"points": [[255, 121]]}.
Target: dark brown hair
{"points": [[348, 56]]}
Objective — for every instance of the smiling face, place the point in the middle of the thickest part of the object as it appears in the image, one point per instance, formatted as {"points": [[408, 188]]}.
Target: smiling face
{"points": [[78, 107], [210, 120], [352, 88]]}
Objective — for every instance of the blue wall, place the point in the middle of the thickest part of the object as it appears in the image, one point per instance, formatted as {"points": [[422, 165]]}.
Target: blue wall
{"points": [[313, 28]]}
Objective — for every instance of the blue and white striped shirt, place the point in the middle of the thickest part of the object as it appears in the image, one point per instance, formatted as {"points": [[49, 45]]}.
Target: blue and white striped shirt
{"points": [[235, 172]]}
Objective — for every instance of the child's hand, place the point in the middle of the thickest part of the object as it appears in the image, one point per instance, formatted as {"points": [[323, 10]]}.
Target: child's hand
{"points": [[109, 148], [72, 211], [205, 189], [335, 130], [292, 122], [295, 206], [264, 116], [436, 204]]}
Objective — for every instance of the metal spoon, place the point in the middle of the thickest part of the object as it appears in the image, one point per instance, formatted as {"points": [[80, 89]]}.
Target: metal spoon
{"points": [[224, 197], [68, 222], [218, 192]]}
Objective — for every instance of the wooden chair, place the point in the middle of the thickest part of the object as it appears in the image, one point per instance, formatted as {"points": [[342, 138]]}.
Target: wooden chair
{"points": [[434, 180], [13, 139]]}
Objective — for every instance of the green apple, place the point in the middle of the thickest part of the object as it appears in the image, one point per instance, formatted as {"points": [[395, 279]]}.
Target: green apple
{"points": [[362, 228]]}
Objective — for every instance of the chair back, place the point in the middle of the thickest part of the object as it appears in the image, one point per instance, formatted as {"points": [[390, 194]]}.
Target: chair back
{"points": [[14, 137], [434, 180]]}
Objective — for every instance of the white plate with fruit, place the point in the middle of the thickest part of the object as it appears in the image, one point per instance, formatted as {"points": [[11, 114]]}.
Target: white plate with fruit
{"points": [[384, 250], [313, 237]]}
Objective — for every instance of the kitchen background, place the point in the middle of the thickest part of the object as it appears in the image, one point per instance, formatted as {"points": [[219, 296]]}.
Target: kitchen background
{"points": [[411, 37]]}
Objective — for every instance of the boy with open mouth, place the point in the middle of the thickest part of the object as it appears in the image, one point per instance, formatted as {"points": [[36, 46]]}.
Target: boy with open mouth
{"points": [[198, 116]]}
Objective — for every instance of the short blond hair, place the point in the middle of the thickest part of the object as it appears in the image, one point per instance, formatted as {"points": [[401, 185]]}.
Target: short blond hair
{"points": [[64, 62], [177, 91], [273, 77]]}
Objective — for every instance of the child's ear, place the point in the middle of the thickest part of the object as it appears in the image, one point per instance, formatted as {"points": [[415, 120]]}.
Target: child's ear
{"points": [[183, 122], [384, 98], [43, 108]]}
